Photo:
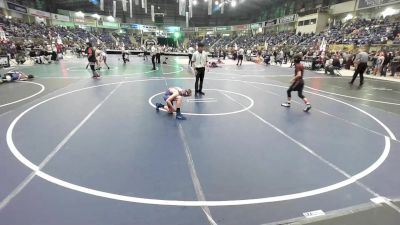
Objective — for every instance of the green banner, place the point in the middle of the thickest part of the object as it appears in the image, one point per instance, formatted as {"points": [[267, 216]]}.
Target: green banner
{"points": [[110, 25], [255, 26], [63, 23], [205, 29], [85, 22], [172, 29], [227, 28], [125, 25]]}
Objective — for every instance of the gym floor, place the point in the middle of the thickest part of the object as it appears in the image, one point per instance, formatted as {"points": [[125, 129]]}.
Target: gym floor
{"points": [[77, 150]]}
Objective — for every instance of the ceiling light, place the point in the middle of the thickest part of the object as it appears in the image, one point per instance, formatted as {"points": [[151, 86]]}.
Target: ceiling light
{"points": [[233, 3], [216, 2], [194, 2]]}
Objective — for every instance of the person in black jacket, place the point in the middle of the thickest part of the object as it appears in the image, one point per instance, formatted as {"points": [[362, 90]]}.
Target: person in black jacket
{"points": [[385, 64], [89, 45]]}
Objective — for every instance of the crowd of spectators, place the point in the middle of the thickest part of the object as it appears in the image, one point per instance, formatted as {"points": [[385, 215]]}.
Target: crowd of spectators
{"points": [[283, 45], [356, 32], [352, 32], [124, 38], [18, 31]]}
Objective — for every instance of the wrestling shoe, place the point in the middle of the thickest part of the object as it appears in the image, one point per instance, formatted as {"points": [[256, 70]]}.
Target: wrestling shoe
{"points": [[158, 106], [308, 107], [96, 76], [180, 117]]}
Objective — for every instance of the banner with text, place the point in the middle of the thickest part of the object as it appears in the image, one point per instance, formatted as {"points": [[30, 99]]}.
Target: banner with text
{"points": [[16, 7], [270, 23], [110, 25], [240, 27], [60, 17], [147, 28], [226, 28], [38, 13], [63, 23], [172, 29], [188, 29], [255, 26], [205, 29], [362, 4], [288, 19]]}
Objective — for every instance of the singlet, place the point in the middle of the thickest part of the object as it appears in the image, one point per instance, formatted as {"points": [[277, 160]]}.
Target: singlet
{"points": [[91, 55], [297, 68], [14, 75], [170, 90]]}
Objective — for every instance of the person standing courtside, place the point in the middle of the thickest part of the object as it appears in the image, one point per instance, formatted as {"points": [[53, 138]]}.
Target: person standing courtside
{"points": [[153, 53], [144, 49], [199, 63], [158, 55], [190, 51], [362, 60], [240, 57]]}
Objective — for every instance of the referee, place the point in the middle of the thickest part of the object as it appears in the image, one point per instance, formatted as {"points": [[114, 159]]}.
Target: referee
{"points": [[158, 54], [240, 57], [153, 53], [190, 51], [199, 61], [362, 60]]}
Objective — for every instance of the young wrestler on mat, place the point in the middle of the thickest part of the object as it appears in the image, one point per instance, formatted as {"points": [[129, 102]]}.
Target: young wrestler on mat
{"points": [[174, 94], [297, 84]]}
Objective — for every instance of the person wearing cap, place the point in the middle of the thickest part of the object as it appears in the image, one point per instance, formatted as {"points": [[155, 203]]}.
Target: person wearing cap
{"points": [[199, 64]]}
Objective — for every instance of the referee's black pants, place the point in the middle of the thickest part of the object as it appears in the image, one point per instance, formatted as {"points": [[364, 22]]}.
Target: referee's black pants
{"points": [[360, 70], [158, 57], [190, 59], [199, 77], [153, 60]]}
